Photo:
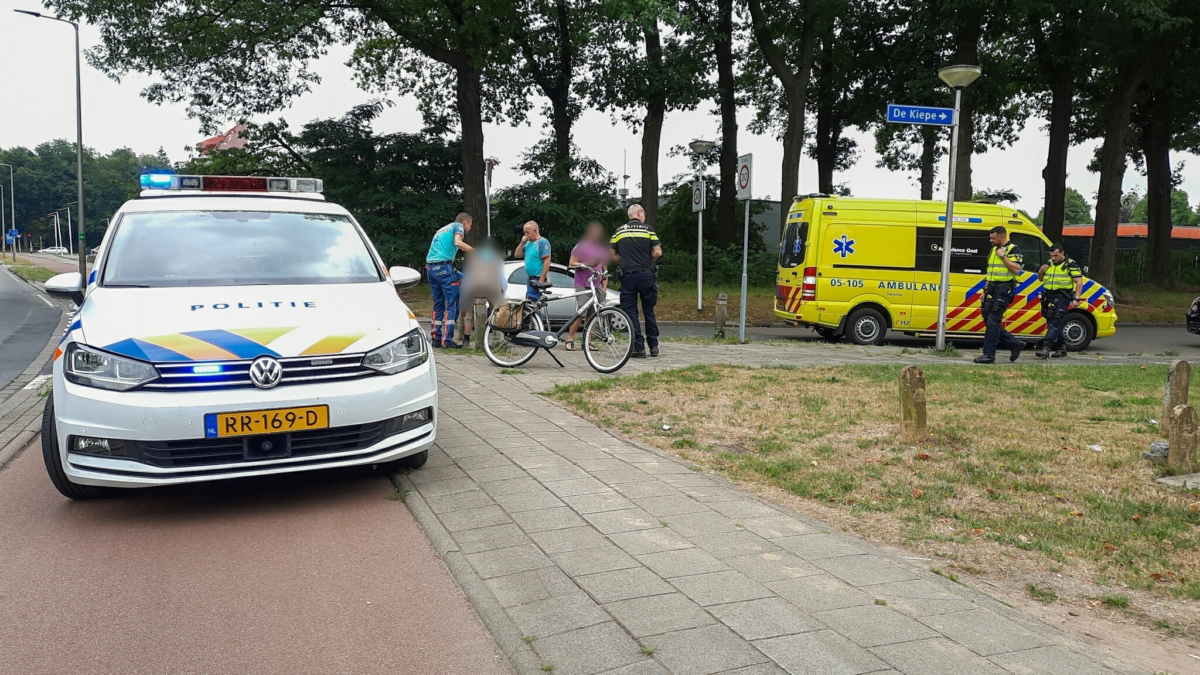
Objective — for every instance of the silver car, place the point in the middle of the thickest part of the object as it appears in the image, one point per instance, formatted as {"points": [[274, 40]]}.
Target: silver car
{"points": [[560, 311]]}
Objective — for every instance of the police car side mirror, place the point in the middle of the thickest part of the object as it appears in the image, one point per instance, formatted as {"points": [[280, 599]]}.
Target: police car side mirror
{"points": [[68, 286], [404, 277]]}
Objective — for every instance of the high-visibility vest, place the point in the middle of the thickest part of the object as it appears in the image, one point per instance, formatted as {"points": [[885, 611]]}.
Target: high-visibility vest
{"points": [[1061, 276], [996, 269]]}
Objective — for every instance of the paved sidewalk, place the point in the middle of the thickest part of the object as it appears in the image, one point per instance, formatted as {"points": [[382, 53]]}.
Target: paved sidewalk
{"points": [[20, 404], [587, 553]]}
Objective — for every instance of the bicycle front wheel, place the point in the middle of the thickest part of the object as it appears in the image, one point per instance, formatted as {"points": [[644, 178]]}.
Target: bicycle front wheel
{"points": [[608, 340], [499, 348]]}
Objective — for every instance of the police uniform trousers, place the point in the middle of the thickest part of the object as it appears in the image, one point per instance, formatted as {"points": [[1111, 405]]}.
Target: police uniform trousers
{"points": [[996, 299], [1054, 310]]}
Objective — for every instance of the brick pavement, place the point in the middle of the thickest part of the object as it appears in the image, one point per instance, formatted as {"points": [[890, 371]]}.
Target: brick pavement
{"points": [[20, 404], [589, 553]]}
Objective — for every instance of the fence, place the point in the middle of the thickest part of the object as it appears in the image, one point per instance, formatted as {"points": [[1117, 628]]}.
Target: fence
{"points": [[1131, 266]]}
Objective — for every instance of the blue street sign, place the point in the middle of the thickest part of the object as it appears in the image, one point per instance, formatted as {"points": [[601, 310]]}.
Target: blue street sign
{"points": [[13, 233], [920, 114]]}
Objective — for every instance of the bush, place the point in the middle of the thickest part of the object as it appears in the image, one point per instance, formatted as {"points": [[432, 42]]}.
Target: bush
{"points": [[721, 266]]}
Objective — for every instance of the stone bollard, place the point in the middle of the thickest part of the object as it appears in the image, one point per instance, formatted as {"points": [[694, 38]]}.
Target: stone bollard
{"points": [[1179, 378], [479, 316], [722, 300], [912, 404], [1181, 457]]}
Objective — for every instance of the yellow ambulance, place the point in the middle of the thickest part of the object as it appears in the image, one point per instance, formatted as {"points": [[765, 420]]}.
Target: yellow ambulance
{"points": [[858, 267]]}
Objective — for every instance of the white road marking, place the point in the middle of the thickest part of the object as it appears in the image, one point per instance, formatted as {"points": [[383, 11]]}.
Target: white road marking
{"points": [[36, 382], [47, 301]]}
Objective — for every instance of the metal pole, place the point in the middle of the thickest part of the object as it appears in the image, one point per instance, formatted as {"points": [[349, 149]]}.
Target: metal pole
{"points": [[69, 248], [948, 237], [745, 259], [79, 161], [4, 235], [700, 261], [12, 199], [487, 192]]}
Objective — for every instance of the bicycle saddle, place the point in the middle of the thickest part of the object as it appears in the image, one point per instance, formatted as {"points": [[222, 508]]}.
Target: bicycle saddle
{"points": [[540, 285]]}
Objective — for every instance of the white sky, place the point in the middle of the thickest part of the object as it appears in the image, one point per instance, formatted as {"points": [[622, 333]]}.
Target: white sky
{"points": [[38, 105]]}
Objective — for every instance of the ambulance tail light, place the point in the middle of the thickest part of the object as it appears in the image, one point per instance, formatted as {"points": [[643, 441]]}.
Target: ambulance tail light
{"points": [[809, 290]]}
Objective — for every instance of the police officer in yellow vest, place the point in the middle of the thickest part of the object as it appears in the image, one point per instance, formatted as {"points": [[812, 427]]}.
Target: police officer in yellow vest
{"points": [[1062, 286], [1004, 266]]}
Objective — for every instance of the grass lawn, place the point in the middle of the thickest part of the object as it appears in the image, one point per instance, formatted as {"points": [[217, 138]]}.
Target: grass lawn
{"points": [[1006, 480], [676, 302], [30, 272], [1150, 304]]}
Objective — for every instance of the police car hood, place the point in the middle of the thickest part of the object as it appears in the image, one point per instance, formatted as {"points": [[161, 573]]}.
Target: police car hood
{"points": [[242, 322]]}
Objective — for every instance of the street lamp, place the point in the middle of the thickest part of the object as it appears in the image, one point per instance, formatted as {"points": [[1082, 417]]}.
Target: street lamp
{"points": [[958, 77], [700, 148], [78, 139]]}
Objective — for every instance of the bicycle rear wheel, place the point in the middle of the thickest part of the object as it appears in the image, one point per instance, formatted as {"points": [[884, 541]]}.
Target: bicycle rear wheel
{"points": [[608, 340], [500, 349]]}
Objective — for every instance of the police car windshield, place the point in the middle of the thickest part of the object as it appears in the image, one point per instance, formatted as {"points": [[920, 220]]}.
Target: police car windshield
{"points": [[236, 248]]}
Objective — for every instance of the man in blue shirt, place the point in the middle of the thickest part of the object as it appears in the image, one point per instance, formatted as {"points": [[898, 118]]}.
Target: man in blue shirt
{"points": [[536, 250], [443, 278]]}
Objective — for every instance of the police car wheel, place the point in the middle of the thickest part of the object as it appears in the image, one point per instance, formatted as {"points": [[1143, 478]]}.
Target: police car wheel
{"points": [[866, 327], [1077, 332], [54, 465], [410, 463]]}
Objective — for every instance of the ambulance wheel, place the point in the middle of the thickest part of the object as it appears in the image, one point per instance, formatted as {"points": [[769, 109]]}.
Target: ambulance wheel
{"points": [[53, 460], [1078, 332], [866, 326]]}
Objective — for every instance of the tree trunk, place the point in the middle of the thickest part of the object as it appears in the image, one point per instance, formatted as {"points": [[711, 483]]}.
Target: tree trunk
{"points": [[470, 117], [564, 116], [966, 52], [929, 140], [1062, 92], [656, 110], [795, 88], [728, 231], [826, 148], [1103, 259], [826, 144], [1156, 148]]}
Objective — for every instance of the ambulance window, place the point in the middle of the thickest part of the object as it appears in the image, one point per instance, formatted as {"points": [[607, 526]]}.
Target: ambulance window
{"points": [[793, 245], [1033, 251], [969, 250]]}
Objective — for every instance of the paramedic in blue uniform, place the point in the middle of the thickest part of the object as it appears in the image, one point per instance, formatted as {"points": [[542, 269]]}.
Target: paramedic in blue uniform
{"points": [[635, 247], [1003, 269], [443, 278]]}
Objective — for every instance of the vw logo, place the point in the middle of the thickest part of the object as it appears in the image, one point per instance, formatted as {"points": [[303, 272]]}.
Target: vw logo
{"points": [[265, 372]]}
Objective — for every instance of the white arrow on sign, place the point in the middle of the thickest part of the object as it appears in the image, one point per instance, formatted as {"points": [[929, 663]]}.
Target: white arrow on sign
{"points": [[699, 196], [745, 169]]}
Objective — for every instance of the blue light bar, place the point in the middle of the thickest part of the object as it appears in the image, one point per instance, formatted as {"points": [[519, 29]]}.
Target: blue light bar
{"points": [[159, 181], [206, 370]]}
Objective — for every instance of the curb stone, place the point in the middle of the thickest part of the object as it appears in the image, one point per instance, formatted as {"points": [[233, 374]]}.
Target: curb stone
{"points": [[15, 402], [502, 629]]}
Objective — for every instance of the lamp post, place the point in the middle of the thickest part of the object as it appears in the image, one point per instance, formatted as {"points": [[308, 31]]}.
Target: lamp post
{"points": [[12, 199], [78, 139], [958, 77], [700, 148]]}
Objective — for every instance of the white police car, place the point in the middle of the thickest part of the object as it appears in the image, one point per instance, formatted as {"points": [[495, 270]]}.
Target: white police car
{"points": [[235, 326]]}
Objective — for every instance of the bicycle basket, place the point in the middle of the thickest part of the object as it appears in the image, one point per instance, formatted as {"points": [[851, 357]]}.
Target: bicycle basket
{"points": [[508, 317]]}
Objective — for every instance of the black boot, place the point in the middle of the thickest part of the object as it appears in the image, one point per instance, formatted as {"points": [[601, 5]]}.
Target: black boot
{"points": [[1061, 353], [985, 359]]}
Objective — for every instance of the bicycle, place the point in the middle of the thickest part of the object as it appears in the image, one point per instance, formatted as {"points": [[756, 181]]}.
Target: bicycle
{"points": [[607, 335]]}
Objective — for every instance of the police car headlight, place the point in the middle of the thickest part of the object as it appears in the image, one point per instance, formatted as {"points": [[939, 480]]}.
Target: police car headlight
{"points": [[408, 352], [1108, 299], [94, 368]]}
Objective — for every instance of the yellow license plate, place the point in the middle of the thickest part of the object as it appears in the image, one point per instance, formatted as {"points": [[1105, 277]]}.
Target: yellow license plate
{"points": [[277, 421]]}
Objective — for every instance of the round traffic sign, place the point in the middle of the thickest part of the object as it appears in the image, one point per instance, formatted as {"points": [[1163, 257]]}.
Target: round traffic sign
{"points": [[743, 176]]}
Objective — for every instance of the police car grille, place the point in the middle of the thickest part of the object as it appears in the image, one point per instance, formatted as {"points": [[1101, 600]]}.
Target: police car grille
{"points": [[209, 451], [234, 374]]}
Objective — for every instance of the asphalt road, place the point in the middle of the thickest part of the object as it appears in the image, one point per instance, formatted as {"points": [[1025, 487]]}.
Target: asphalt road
{"points": [[1146, 340], [26, 320], [318, 573]]}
